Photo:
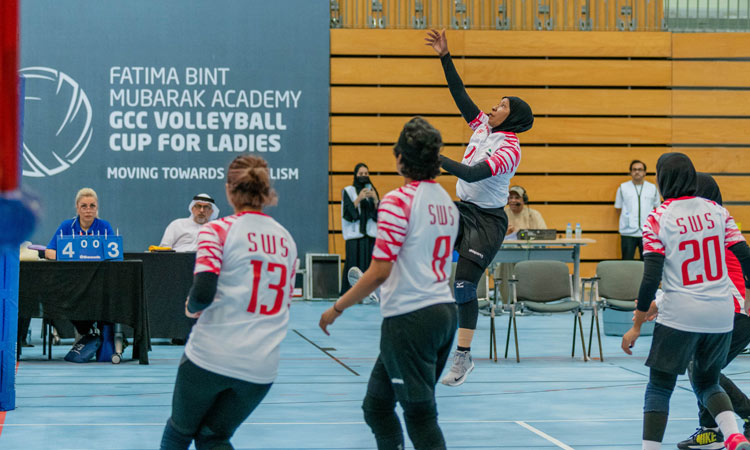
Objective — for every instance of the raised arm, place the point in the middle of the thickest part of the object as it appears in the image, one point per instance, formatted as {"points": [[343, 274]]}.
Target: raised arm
{"points": [[439, 43]]}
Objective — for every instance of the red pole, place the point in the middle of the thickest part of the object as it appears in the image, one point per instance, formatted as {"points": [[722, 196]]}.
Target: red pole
{"points": [[9, 167]]}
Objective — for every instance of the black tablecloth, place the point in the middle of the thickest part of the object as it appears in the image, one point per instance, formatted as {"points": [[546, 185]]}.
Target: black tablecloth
{"points": [[167, 277], [110, 291]]}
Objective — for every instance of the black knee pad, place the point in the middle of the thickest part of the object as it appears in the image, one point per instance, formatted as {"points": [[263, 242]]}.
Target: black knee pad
{"points": [[468, 313], [464, 291]]}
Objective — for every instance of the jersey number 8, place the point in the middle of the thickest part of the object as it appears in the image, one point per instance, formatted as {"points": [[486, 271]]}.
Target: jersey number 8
{"points": [[440, 255]]}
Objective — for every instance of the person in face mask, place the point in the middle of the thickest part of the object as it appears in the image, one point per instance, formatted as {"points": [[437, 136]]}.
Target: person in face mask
{"points": [[489, 162], [359, 214], [684, 243]]}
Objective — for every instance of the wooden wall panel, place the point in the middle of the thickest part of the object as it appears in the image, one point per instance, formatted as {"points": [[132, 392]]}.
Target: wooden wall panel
{"points": [[601, 99], [710, 103], [711, 131], [416, 100], [591, 217], [554, 188], [553, 130], [711, 73], [504, 43], [502, 72], [563, 159], [710, 45]]}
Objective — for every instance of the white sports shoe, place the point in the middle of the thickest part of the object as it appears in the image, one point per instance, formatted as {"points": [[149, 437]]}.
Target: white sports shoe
{"points": [[461, 368], [353, 276]]}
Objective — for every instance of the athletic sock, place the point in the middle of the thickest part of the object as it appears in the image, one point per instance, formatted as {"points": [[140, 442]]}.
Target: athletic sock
{"points": [[651, 445], [727, 422], [463, 349]]}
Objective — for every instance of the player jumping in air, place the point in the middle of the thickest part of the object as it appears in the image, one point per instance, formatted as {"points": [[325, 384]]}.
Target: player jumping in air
{"points": [[484, 174]]}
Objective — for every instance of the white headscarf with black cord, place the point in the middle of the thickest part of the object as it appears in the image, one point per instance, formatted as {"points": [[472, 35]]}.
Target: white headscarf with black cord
{"points": [[205, 198]]}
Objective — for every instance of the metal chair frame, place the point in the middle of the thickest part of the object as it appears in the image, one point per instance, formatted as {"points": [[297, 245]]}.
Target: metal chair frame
{"points": [[514, 306]]}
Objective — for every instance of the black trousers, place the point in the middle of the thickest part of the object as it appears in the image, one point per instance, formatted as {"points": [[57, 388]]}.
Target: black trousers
{"points": [[628, 244], [414, 348], [740, 401], [208, 407]]}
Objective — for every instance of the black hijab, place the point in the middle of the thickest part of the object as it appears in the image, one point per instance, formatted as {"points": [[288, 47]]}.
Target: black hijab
{"points": [[520, 118], [676, 176], [707, 188]]}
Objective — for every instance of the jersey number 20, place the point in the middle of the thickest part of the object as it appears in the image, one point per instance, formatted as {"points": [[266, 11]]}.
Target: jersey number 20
{"points": [[279, 288], [707, 258]]}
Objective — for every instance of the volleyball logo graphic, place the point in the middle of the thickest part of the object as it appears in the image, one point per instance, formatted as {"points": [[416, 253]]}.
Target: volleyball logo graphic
{"points": [[57, 122]]}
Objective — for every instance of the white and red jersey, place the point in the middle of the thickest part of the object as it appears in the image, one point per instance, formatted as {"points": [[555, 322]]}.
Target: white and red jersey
{"points": [[417, 227], [502, 151], [693, 233], [239, 334], [734, 270]]}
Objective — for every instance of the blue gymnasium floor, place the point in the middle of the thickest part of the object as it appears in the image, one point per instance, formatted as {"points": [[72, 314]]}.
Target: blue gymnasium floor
{"points": [[548, 401]]}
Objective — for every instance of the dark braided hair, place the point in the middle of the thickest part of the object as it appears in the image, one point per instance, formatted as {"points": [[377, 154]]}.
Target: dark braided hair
{"points": [[419, 147]]}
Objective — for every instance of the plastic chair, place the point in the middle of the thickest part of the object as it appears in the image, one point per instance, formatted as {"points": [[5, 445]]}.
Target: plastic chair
{"points": [[543, 287], [616, 287]]}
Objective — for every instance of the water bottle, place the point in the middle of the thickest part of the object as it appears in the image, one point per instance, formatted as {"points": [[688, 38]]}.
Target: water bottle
{"points": [[568, 232], [578, 231]]}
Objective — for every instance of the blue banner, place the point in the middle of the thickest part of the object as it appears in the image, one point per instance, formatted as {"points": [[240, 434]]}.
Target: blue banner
{"points": [[147, 103]]}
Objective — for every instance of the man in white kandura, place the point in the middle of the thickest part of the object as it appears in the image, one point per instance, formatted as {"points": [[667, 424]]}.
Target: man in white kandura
{"points": [[181, 235]]}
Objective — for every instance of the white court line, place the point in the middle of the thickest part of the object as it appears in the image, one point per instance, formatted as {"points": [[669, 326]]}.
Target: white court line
{"points": [[161, 424], [544, 435]]}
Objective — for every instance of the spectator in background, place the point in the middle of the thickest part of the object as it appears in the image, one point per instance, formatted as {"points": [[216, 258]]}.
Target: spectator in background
{"points": [[182, 234], [359, 213], [520, 216], [635, 199]]}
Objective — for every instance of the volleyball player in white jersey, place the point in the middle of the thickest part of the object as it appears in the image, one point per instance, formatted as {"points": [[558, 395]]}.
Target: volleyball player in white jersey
{"points": [[417, 226], [484, 174], [685, 240], [244, 272], [708, 435]]}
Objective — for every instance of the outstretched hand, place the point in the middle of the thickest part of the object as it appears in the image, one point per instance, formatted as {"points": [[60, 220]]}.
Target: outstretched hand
{"points": [[438, 41]]}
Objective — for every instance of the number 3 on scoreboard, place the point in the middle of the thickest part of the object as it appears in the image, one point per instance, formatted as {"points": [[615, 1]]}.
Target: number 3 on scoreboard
{"points": [[279, 288], [113, 250]]}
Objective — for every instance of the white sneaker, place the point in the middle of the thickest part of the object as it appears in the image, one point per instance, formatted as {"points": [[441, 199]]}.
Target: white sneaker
{"points": [[353, 276], [461, 368]]}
